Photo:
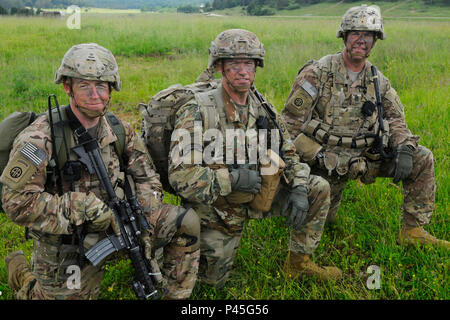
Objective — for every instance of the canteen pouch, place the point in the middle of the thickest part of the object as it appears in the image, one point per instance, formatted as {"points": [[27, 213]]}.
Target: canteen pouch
{"points": [[271, 172]]}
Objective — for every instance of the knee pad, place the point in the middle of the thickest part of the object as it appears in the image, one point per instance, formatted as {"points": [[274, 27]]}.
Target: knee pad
{"points": [[188, 225], [424, 153]]}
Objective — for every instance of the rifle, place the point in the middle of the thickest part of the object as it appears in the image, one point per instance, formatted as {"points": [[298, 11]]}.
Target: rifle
{"points": [[381, 129], [272, 116], [129, 216]]}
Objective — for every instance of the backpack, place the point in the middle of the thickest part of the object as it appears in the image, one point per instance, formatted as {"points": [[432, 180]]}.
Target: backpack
{"points": [[16, 122], [158, 123]]}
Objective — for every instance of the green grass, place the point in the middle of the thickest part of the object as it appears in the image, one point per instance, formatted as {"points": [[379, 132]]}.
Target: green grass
{"points": [[155, 51]]}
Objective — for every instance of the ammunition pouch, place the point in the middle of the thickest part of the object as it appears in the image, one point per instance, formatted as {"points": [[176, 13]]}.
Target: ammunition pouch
{"points": [[371, 156], [321, 132], [338, 162], [353, 167], [344, 154], [306, 147]]}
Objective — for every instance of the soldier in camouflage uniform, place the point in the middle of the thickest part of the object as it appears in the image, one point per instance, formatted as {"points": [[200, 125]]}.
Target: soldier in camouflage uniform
{"points": [[88, 73], [332, 118], [223, 192]]}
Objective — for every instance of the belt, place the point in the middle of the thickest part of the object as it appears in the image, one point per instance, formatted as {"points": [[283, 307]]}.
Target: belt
{"points": [[53, 239]]}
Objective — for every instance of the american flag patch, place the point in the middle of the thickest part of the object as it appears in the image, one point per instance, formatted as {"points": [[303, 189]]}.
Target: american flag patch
{"points": [[312, 91], [33, 153]]}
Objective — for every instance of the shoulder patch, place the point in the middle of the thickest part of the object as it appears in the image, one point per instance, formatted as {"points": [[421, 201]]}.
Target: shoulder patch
{"points": [[309, 88], [22, 166], [33, 153], [302, 99]]}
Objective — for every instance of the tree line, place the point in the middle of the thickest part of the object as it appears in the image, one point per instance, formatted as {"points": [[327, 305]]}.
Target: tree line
{"points": [[269, 7], [251, 7], [112, 4], [33, 7], [20, 4]]}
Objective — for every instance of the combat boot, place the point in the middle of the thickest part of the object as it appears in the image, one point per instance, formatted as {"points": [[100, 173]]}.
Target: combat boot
{"points": [[299, 265], [413, 235], [18, 270]]}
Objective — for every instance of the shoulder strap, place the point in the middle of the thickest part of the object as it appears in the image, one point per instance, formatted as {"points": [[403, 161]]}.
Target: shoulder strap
{"points": [[119, 131], [61, 129], [207, 105]]}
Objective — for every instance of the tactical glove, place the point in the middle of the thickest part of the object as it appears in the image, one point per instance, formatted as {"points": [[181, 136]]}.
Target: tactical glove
{"points": [[87, 208], [298, 200], [403, 163], [245, 180]]}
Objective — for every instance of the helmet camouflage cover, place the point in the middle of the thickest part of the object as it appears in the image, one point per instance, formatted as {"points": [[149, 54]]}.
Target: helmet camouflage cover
{"points": [[89, 61], [362, 18], [236, 44]]}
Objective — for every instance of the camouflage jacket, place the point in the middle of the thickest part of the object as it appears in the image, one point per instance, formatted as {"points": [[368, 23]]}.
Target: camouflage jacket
{"points": [[326, 105], [199, 182], [32, 201]]}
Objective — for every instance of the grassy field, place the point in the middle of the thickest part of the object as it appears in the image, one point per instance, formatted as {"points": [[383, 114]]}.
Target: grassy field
{"points": [[155, 51]]}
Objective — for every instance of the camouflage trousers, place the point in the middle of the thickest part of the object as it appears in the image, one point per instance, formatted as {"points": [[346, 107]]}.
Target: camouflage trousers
{"points": [[54, 264], [219, 244], [418, 189]]}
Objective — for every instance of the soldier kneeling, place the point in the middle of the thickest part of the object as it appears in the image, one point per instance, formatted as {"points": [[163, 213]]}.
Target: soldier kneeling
{"points": [[54, 201]]}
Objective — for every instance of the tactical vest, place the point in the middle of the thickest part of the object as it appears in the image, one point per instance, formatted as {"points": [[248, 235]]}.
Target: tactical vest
{"points": [[213, 106], [62, 129], [15, 123], [345, 132]]}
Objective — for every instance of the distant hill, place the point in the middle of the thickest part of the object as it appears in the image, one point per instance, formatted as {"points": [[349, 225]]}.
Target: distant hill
{"points": [[113, 4], [327, 7], [137, 4], [397, 8]]}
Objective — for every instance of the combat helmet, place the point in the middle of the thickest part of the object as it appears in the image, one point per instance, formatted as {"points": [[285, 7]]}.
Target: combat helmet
{"points": [[362, 18], [89, 61], [236, 44]]}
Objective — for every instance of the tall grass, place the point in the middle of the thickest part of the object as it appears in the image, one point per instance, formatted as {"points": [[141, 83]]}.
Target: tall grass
{"points": [[155, 51]]}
